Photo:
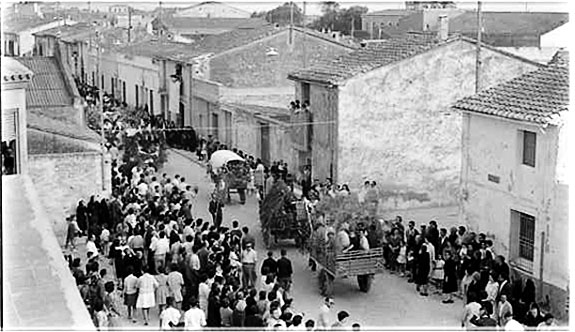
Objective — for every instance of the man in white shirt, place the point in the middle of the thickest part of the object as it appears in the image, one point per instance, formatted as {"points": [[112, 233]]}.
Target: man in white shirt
{"points": [[194, 318], [249, 260], [160, 249], [323, 321], [170, 317], [511, 324]]}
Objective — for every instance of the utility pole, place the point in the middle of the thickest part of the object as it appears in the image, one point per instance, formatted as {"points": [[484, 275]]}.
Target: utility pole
{"points": [[129, 25], [478, 52], [304, 37], [291, 22], [101, 108]]}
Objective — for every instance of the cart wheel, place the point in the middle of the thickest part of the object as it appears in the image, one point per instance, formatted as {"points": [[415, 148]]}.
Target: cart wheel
{"points": [[364, 282]]}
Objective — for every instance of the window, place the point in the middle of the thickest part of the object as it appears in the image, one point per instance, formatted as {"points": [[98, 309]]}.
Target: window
{"points": [[11, 48], [215, 122], [522, 241], [137, 95], [124, 91], [526, 236], [10, 146], [94, 79], [529, 148], [112, 86], [151, 101], [103, 83], [305, 92]]}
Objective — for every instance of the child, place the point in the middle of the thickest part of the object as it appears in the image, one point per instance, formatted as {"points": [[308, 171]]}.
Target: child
{"points": [[402, 260], [105, 240], [73, 231], [101, 316], [438, 273]]}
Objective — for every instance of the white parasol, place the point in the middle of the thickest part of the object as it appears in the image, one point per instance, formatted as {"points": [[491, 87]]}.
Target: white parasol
{"points": [[221, 157]]}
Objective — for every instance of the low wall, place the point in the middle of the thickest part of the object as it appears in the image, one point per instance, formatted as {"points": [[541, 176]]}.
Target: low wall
{"points": [[62, 179]]}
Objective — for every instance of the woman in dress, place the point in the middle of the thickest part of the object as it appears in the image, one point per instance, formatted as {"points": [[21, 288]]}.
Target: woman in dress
{"points": [[162, 291], [422, 273], [449, 277], [175, 283], [147, 285]]}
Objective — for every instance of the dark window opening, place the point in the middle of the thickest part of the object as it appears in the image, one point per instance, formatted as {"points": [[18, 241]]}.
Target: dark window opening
{"points": [[529, 148]]}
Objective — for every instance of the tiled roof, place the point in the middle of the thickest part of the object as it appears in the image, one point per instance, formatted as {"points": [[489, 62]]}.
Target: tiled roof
{"points": [[14, 71], [210, 44], [275, 113], [189, 24], [47, 87], [537, 97], [66, 31], [508, 22], [16, 25], [390, 12], [373, 56]]}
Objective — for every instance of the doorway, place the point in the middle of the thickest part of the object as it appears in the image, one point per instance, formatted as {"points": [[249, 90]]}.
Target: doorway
{"points": [[265, 143]]}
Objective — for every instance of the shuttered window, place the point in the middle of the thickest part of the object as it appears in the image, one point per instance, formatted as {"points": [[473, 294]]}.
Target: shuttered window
{"points": [[9, 124], [529, 148], [526, 236]]}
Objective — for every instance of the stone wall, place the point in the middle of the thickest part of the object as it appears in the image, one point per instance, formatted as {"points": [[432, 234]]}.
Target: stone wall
{"points": [[249, 66], [323, 103], [395, 125], [61, 180]]}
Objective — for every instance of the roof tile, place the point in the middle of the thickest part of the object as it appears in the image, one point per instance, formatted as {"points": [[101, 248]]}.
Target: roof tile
{"points": [[535, 97], [47, 87]]}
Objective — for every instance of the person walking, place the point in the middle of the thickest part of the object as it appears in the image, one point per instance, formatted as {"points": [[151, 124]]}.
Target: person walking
{"points": [[175, 282], [194, 318], [146, 297], [285, 271], [249, 260], [130, 292], [170, 317], [162, 291]]}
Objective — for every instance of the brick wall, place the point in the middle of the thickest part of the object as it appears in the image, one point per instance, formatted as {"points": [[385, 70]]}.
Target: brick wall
{"points": [[61, 180], [251, 67]]}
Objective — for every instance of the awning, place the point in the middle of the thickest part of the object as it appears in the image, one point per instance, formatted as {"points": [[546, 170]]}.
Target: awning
{"points": [[221, 157]]}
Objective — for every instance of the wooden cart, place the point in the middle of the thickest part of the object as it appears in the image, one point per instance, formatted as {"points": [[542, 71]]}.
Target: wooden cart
{"points": [[358, 263]]}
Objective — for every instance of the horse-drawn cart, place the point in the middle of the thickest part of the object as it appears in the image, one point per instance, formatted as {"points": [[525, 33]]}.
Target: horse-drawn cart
{"points": [[230, 174]]}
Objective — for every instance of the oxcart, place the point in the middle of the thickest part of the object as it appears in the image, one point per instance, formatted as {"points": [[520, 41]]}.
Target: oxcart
{"points": [[230, 173], [361, 264], [282, 216]]}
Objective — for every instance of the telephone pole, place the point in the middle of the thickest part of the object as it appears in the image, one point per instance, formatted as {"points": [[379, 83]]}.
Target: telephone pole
{"points": [[478, 50], [304, 36]]}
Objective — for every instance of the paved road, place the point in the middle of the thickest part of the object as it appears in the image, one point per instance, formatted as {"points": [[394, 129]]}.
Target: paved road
{"points": [[391, 302]]}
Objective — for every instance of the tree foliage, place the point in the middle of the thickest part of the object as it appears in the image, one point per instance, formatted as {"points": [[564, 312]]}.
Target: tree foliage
{"points": [[335, 18], [282, 14]]}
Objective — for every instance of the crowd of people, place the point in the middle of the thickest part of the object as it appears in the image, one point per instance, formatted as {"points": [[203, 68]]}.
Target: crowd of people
{"points": [[456, 261], [186, 270]]}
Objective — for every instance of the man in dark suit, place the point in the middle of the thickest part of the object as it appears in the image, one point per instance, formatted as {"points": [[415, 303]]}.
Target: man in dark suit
{"points": [[285, 271], [269, 265]]}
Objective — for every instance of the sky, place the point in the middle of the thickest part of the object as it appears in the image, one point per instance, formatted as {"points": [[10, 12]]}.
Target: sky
{"points": [[314, 8]]}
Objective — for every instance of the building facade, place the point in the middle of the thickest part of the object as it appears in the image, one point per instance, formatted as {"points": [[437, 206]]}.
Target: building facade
{"points": [[379, 115], [513, 177]]}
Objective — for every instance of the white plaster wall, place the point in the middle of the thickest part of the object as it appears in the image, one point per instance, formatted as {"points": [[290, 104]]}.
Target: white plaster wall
{"points": [[560, 37], [395, 126], [27, 39], [14, 96], [495, 147], [133, 70]]}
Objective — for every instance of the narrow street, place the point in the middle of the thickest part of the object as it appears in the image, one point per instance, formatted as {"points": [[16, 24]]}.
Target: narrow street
{"points": [[391, 302]]}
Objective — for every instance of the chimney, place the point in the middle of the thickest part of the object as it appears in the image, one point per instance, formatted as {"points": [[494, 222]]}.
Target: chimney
{"points": [[443, 27]]}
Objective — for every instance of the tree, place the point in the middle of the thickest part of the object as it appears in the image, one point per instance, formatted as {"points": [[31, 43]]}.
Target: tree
{"points": [[282, 14], [336, 19]]}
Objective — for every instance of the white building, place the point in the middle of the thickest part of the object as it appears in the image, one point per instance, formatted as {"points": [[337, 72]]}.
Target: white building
{"points": [[15, 77], [513, 175], [19, 34]]}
